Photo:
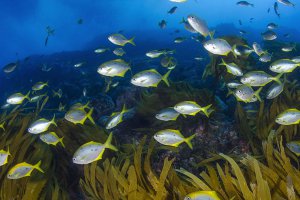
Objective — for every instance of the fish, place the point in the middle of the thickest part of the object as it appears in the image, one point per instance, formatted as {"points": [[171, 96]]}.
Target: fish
{"points": [[276, 9], [171, 137], [187, 26], [192, 108], [232, 68], [45, 68], [116, 118], [121, 40], [61, 107], [244, 3], [296, 59], [79, 106], [178, 1], [242, 50], [242, 32], [162, 24], [289, 47], [283, 66], [39, 86], [199, 25], [218, 47], [80, 21], [179, 40], [286, 2], [202, 195], [51, 138], [269, 9], [234, 84], [294, 146], [37, 98], [272, 26], [259, 78], [58, 93], [119, 52], [41, 125], [92, 151], [2, 126], [17, 98], [172, 10], [4, 156], [158, 53], [79, 116], [9, 68], [269, 35], [246, 94], [84, 91], [257, 49], [167, 114], [101, 50], [288, 117], [23, 170], [150, 78], [5, 106], [266, 57], [274, 91], [198, 38], [79, 64], [240, 22], [117, 67]]}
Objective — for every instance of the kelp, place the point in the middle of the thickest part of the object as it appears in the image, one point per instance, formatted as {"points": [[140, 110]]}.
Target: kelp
{"points": [[256, 127], [133, 179], [274, 178]]}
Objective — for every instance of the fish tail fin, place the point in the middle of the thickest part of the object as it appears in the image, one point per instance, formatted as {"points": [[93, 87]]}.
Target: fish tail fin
{"points": [[233, 52], [124, 110], [188, 140], [108, 144], [277, 78], [37, 166], [252, 5], [27, 95], [131, 41], [2, 126], [223, 62], [211, 34], [182, 21], [205, 110], [61, 142], [46, 84], [256, 93], [165, 78], [89, 115], [230, 92], [53, 121]]}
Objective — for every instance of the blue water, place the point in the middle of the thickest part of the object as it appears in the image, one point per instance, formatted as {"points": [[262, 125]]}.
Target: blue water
{"points": [[23, 23]]}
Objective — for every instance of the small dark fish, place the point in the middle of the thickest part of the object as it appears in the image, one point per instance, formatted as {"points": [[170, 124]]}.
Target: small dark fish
{"points": [[251, 19], [177, 31], [50, 32], [10, 67], [80, 21], [242, 32], [240, 22], [162, 24], [276, 9], [269, 10], [244, 3], [172, 10], [287, 35]]}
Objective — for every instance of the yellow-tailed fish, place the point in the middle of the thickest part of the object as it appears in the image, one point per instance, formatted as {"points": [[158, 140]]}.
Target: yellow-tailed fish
{"points": [[114, 68], [119, 39], [79, 116], [284, 66], [257, 49], [92, 151], [22, 170], [37, 98], [17, 98], [150, 78], [202, 195], [171, 137], [61, 107], [288, 117], [274, 90], [57, 94], [259, 78], [167, 114], [116, 118], [192, 108], [51, 138], [199, 25], [119, 52], [232, 68], [246, 94], [219, 47], [294, 146], [41, 125], [39, 86], [4, 156], [79, 106]]}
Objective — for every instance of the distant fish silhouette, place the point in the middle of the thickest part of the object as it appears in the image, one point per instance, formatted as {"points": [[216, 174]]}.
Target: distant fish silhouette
{"points": [[50, 32], [276, 9]]}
